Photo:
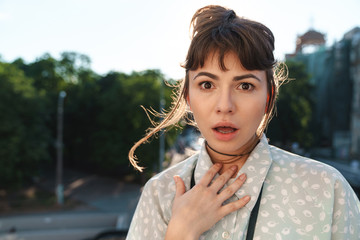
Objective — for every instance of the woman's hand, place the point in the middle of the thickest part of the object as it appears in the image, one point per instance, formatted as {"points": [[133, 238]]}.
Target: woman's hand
{"points": [[198, 209]]}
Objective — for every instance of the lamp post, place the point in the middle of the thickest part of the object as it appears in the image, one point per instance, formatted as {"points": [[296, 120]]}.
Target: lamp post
{"points": [[59, 149]]}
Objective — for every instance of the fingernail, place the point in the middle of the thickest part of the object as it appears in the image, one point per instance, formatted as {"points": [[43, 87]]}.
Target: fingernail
{"points": [[242, 177], [175, 178], [233, 167], [247, 198]]}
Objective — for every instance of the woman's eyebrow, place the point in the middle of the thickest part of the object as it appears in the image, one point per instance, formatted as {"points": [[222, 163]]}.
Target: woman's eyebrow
{"points": [[207, 74], [239, 78]]}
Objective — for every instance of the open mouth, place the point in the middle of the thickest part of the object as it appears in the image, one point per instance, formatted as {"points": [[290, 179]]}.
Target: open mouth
{"points": [[225, 130]]}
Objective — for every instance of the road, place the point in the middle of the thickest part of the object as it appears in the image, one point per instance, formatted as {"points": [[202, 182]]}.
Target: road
{"points": [[112, 204]]}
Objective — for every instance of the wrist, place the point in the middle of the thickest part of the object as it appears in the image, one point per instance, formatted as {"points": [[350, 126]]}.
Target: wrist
{"points": [[180, 231]]}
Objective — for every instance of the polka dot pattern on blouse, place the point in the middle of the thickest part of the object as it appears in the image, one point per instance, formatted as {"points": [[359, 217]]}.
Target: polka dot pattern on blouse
{"points": [[301, 199]]}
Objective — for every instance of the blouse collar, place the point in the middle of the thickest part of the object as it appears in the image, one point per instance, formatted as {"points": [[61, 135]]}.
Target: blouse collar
{"points": [[256, 168]]}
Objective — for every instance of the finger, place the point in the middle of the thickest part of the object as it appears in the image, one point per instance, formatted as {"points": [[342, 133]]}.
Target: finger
{"points": [[231, 190], [180, 186], [234, 206], [210, 174], [223, 178]]}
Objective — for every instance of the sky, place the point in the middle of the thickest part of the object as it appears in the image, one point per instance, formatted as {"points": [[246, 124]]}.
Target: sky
{"points": [[135, 35]]}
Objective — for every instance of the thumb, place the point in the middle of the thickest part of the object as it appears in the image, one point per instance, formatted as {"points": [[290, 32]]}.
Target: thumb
{"points": [[180, 186]]}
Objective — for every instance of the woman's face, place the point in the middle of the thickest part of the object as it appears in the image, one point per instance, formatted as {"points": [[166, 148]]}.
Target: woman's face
{"points": [[228, 106]]}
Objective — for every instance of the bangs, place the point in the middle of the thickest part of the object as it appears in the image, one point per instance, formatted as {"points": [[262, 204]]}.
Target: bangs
{"points": [[251, 42]]}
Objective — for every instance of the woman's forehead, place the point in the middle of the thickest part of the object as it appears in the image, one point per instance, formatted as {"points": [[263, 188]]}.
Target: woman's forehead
{"points": [[230, 61]]}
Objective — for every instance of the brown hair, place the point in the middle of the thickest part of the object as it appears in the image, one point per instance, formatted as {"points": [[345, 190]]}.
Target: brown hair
{"points": [[217, 29]]}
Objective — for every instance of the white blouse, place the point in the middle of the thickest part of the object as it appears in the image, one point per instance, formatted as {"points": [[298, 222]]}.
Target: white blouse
{"points": [[301, 199]]}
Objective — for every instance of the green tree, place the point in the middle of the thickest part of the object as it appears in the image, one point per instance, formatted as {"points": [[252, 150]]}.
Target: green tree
{"points": [[24, 137], [80, 112], [294, 109], [72, 65], [52, 76], [102, 115], [104, 118]]}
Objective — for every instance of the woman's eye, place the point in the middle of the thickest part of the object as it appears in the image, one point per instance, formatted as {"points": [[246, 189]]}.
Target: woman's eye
{"points": [[246, 86], [206, 85]]}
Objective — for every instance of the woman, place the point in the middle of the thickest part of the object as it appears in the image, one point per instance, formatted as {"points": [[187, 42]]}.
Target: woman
{"points": [[230, 89]]}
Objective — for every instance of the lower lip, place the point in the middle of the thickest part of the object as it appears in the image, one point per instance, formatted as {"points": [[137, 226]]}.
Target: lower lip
{"points": [[224, 136]]}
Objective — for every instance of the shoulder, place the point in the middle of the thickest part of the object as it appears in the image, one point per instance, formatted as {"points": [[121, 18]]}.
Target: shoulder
{"points": [[159, 191], [300, 164], [311, 175], [154, 207], [164, 181]]}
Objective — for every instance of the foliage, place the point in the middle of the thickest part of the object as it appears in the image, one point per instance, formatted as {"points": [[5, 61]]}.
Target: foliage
{"points": [[294, 109], [24, 138], [102, 116], [114, 120]]}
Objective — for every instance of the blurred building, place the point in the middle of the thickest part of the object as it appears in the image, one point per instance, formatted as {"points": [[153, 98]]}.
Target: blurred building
{"points": [[353, 37], [335, 74]]}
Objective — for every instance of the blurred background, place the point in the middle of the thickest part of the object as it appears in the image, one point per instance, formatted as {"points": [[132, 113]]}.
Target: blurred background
{"points": [[74, 73]]}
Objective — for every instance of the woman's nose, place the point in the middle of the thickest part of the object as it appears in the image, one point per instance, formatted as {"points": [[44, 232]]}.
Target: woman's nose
{"points": [[225, 103]]}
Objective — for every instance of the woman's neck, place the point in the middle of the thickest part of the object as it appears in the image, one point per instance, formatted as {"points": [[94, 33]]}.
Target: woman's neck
{"points": [[228, 159]]}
